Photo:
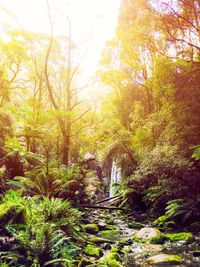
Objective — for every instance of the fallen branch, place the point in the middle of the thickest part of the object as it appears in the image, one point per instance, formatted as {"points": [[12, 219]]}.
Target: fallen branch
{"points": [[108, 198], [102, 207]]}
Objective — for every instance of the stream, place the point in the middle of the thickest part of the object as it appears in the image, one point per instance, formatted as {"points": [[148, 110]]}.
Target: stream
{"points": [[132, 253]]}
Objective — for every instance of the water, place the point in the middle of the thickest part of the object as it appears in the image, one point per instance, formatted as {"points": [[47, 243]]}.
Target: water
{"points": [[116, 175]]}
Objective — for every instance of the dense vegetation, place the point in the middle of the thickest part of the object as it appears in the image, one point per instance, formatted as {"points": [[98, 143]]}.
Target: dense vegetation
{"points": [[149, 122]]}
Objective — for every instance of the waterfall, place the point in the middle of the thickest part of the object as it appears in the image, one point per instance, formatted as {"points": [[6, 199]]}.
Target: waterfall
{"points": [[115, 176]]}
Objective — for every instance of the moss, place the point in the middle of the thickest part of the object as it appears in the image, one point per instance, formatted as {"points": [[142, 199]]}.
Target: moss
{"points": [[124, 242], [110, 221], [135, 225], [111, 234], [111, 259], [126, 249], [100, 240], [91, 228], [116, 250], [84, 262], [93, 250], [184, 236]]}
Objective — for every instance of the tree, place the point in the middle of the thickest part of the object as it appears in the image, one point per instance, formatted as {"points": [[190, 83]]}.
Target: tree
{"points": [[70, 94]]}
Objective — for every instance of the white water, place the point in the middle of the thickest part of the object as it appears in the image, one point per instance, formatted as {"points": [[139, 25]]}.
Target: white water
{"points": [[116, 175]]}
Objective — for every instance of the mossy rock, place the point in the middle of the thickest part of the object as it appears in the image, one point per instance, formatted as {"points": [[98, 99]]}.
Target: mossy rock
{"points": [[93, 250], [135, 225], [91, 228], [165, 259], [124, 242], [110, 259], [126, 249], [100, 240], [111, 234], [110, 221], [148, 235], [183, 236], [84, 262]]}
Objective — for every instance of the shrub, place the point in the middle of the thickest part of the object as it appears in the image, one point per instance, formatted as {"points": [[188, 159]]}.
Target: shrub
{"points": [[42, 233]]}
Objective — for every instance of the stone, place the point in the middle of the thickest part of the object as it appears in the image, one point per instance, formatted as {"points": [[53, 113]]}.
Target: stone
{"points": [[135, 225], [107, 246], [93, 250], [148, 235], [196, 253], [183, 236], [91, 228], [165, 259]]}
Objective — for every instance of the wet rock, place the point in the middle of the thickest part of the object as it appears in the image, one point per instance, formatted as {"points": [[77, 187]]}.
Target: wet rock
{"points": [[135, 225], [149, 235], [183, 236], [195, 227], [165, 259], [196, 253], [91, 228], [107, 246], [93, 250]]}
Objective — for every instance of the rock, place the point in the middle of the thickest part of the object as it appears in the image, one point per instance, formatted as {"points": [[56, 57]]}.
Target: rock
{"points": [[105, 226], [91, 228], [93, 250], [110, 221], [123, 242], [183, 236], [135, 225], [111, 259], [100, 240], [195, 227], [111, 234], [84, 262], [149, 235], [102, 225], [165, 259], [107, 246], [126, 249], [196, 253]]}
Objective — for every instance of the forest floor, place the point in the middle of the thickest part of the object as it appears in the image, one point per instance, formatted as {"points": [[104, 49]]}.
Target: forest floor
{"points": [[116, 239]]}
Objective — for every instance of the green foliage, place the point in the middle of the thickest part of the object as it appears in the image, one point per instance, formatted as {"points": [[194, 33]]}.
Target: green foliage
{"points": [[52, 181], [196, 153], [40, 228]]}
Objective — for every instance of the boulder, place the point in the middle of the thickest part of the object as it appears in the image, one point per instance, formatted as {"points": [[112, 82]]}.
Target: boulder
{"points": [[165, 259], [148, 235]]}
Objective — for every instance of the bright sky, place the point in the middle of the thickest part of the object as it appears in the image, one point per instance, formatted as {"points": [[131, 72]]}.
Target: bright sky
{"points": [[96, 18]]}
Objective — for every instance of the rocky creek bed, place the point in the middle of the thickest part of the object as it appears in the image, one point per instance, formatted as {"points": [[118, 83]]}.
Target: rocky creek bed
{"points": [[115, 239]]}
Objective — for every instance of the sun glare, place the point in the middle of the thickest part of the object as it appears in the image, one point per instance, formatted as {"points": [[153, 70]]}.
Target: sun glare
{"points": [[92, 20]]}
